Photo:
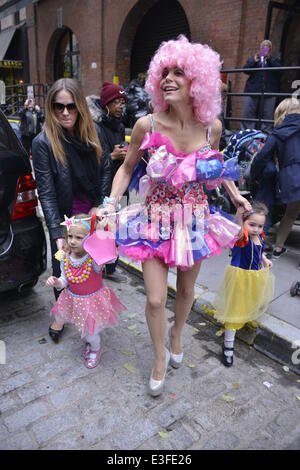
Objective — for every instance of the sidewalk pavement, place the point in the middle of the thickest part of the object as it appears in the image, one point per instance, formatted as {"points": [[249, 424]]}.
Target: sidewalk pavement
{"points": [[277, 333], [49, 400]]}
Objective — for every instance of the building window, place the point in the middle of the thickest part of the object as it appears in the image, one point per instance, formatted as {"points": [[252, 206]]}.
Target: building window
{"points": [[67, 63]]}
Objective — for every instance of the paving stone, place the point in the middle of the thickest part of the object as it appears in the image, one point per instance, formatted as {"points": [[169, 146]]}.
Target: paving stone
{"points": [[32, 392], [182, 438], [156, 443], [264, 441], [20, 441], [105, 425], [211, 414], [74, 393], [19, 363], [3, 432], [207, 387], [50, 427], [285, 424], [66, 441], [7, 402], [295, 445], [222, 440], [14, 382], [173, 412], [25, 416], [110, 408], [132, 437]]}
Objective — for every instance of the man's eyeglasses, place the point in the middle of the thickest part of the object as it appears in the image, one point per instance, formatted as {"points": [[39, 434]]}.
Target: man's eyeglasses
{"points": [[60, 107]]}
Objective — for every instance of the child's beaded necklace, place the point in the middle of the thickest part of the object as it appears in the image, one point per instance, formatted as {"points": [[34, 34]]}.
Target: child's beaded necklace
{"points": [[83, 277]]}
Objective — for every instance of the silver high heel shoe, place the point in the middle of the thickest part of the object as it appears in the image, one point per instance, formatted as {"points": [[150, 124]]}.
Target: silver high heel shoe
{"points": [[175, 359], [156, 386]]}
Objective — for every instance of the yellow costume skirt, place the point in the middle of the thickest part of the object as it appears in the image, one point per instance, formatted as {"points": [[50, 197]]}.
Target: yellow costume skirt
{"points": [[243, 296]]}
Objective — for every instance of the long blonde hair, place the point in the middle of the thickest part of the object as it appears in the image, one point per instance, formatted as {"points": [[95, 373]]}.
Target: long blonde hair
{"points": [[287, 106], [84, 129]]}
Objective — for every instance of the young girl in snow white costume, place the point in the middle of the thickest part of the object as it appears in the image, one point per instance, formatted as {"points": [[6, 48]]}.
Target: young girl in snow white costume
{"points": [[248, 285], [85, 302]]}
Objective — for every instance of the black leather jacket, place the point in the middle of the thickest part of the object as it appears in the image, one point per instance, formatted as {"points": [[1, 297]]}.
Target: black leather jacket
{"points": [[54, 184]]}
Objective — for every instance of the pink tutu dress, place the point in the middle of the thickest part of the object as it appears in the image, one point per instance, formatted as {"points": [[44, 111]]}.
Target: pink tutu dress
{"points": [[176, 224], [85, 302]]}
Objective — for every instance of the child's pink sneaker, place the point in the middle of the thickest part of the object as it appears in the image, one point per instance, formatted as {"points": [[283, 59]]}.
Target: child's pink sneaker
{"points": [[93, 358]]}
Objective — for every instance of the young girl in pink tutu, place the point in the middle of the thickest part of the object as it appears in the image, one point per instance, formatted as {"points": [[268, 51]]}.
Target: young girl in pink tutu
{"points": [[85, 302]]}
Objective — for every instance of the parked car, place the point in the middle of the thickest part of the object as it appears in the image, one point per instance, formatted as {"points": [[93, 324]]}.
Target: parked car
{"points": [[23, 250]]}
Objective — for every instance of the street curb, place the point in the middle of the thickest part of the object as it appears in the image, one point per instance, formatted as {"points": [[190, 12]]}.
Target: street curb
{"points": [[273, 337]]}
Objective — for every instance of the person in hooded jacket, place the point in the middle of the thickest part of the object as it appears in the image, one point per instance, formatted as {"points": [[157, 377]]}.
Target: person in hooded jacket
{"points": [[111, 131], [283, 144]]}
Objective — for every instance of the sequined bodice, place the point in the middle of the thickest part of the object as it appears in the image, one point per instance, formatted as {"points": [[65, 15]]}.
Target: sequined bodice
{"points": [[167, 195]]}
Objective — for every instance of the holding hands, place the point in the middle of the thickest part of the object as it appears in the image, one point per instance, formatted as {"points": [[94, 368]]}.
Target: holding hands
{"points": [[241, 203], [53, 281]]}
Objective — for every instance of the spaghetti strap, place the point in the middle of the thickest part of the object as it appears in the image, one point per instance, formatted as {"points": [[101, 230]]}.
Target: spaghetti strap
{"points": [[208, 134], [151, 123]]}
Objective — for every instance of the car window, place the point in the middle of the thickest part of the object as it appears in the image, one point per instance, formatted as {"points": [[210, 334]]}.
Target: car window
{"points": [[14, 162], [8, 139]]}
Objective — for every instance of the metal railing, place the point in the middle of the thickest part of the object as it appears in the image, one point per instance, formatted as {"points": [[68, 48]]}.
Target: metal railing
{"points": [[262, 95], [16, 95]]}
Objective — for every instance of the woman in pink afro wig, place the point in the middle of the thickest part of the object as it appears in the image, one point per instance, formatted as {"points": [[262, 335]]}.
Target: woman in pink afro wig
{"points": [[185, 86], [201, 66]]}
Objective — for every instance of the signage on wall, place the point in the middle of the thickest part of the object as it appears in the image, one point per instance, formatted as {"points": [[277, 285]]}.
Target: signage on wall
{"points": [[11, 64], [30, 93], [59, 17]]}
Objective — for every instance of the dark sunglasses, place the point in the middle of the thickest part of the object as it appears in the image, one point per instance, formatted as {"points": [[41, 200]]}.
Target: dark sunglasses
{"points": [[60, 107]]}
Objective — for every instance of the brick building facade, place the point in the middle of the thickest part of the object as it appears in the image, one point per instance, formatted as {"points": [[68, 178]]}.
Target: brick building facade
{"points": [[105, 31], [113, 35]]}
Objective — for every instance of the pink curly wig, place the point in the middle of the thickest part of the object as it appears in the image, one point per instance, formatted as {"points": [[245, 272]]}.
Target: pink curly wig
{"points": [[201, 65]]}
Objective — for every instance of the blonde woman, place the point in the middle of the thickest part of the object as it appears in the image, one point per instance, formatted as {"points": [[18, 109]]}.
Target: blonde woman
{"points": [[67, 162], [284, 142]]}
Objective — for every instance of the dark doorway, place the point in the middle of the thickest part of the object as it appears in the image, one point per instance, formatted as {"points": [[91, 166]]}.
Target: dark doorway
{"points": [[164, 21], [67, 61]]}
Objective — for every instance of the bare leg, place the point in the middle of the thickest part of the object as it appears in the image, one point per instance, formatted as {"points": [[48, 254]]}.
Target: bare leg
{"points": [[286, 224], [156, 284], [183, 304], [57, 325]]}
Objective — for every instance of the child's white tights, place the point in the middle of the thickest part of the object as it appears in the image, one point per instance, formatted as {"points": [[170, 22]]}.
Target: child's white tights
{"points": [[94, 341], [229, 341]]}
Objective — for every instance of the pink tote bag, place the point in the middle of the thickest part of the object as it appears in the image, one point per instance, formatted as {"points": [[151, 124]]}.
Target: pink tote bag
{"points": [[100, 245]]}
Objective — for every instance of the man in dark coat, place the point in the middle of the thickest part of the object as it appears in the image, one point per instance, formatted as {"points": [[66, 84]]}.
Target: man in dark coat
{"points": [[107, 113], [284, 144], [261, 81]]}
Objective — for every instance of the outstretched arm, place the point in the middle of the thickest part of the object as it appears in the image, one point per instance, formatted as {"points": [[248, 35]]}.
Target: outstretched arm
{"points": [[233, 192]]}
